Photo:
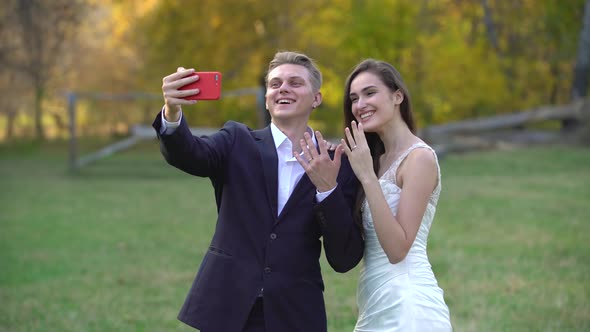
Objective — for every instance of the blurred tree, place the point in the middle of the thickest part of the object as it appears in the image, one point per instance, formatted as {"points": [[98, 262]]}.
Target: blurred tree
{"points": [[34, 32], [459, 58], [534, 44], [582, 66], [11, 95], [235, 37], [109, 60]]}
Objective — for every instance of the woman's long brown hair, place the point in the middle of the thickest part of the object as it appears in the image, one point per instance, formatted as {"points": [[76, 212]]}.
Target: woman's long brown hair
{"points": [[393, 80]]}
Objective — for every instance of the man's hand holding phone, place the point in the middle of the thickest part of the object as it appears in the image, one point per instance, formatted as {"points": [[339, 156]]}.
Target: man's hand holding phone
{"points": [[185, 87], [208, 85]]}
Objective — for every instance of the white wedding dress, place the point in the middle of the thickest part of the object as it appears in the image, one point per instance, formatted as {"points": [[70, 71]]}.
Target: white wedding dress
{"points": [[403, 296]]}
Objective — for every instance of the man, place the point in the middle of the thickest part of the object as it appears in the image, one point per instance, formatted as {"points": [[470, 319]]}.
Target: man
{"points": [[277, 192]]}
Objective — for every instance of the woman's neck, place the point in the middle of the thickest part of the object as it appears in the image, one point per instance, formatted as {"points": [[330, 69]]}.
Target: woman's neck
{"points": [[397, 138]]}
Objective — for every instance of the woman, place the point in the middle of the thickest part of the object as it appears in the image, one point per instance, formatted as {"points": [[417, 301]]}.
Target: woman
{"points": [[400, 179]]}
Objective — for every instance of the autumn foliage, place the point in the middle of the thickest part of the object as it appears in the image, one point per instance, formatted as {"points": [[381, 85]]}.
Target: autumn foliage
{"points": [[460, 59]]}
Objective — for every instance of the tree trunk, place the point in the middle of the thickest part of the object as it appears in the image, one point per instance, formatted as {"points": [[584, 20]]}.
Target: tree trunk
{"points": [[582, 67], [493, 38], [60, 125], [39, 131], [10, 117], [490, 26]]}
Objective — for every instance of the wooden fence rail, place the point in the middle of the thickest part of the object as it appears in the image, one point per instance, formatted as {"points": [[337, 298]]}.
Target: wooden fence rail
{"points": [[510, 129], [461, 136]]}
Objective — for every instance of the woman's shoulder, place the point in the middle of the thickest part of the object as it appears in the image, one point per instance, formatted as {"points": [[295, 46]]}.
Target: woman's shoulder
{"points": [[422, 153], [421, 160]]}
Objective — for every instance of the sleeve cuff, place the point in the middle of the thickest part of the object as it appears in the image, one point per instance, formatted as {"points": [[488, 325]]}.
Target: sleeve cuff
{"points": [[167, 126], [321, 196]]}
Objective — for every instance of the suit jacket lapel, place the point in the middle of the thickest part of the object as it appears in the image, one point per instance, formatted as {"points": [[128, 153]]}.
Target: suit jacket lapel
{"points": [[301, 189], [268, 154]]}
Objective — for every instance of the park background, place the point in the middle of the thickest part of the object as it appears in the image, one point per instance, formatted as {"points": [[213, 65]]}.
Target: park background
{"points": [[114, 245]]}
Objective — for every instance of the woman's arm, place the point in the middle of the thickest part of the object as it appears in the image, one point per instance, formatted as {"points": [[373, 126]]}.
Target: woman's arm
{"points": [[417, 177]]}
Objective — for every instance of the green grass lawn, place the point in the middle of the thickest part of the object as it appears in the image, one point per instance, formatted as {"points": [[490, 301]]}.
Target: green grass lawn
{"points": [[116, 247]]}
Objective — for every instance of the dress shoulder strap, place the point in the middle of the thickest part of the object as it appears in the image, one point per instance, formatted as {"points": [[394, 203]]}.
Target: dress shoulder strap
{"points": [[393, 171]]}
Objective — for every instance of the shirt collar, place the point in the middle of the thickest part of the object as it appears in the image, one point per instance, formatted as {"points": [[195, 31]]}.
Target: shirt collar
{"points": [[279, 137]]}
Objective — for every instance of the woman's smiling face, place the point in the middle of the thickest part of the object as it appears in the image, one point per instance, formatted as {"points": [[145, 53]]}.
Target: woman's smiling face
{"points": [[373, 103]]}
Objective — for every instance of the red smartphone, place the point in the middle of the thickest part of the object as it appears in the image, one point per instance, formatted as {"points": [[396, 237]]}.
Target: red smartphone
{"points": [[209, 85]]}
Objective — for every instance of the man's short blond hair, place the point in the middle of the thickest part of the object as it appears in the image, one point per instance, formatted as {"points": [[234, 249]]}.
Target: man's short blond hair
{"points": [[294, 58]]}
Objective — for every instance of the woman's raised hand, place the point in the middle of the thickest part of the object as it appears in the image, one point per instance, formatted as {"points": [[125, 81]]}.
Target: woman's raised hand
{"points": [[358, 152]]}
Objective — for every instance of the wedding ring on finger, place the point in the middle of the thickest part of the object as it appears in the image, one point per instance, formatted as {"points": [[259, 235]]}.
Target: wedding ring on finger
{"points": [[354, 147]]}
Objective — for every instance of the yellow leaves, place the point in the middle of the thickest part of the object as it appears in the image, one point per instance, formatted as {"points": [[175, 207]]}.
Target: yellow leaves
{"points": [[259, 28], [332, 89], [442, 108], [442, 48], [144, 7], [458, 78], [317, 125], [125, 14], [215, 21], [121, 22]]}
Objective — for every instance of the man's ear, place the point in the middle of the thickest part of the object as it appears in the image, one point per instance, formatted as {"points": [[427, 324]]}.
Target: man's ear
{"points": [[317, 100]]}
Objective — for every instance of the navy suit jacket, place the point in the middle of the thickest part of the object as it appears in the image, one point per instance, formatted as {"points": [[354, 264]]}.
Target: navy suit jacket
{"points": [[253, 248]]}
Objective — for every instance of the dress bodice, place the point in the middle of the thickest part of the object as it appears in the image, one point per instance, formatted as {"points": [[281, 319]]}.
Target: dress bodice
{"points": [[374, 254], [404, 296]]}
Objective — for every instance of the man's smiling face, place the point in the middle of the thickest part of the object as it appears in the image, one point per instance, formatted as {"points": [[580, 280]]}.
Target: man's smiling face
{"points": [[289, 94]]}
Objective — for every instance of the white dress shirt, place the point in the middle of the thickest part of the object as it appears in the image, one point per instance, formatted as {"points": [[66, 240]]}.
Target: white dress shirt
{"points": [[290, 171]]}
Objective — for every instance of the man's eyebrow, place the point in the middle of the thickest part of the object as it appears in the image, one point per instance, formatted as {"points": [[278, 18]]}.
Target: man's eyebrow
{"points": [[288, 78]]}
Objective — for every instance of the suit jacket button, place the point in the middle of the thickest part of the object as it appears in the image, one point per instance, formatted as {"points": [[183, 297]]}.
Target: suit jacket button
{"points": [[322, 220], [267, 270], [273, 236]]}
